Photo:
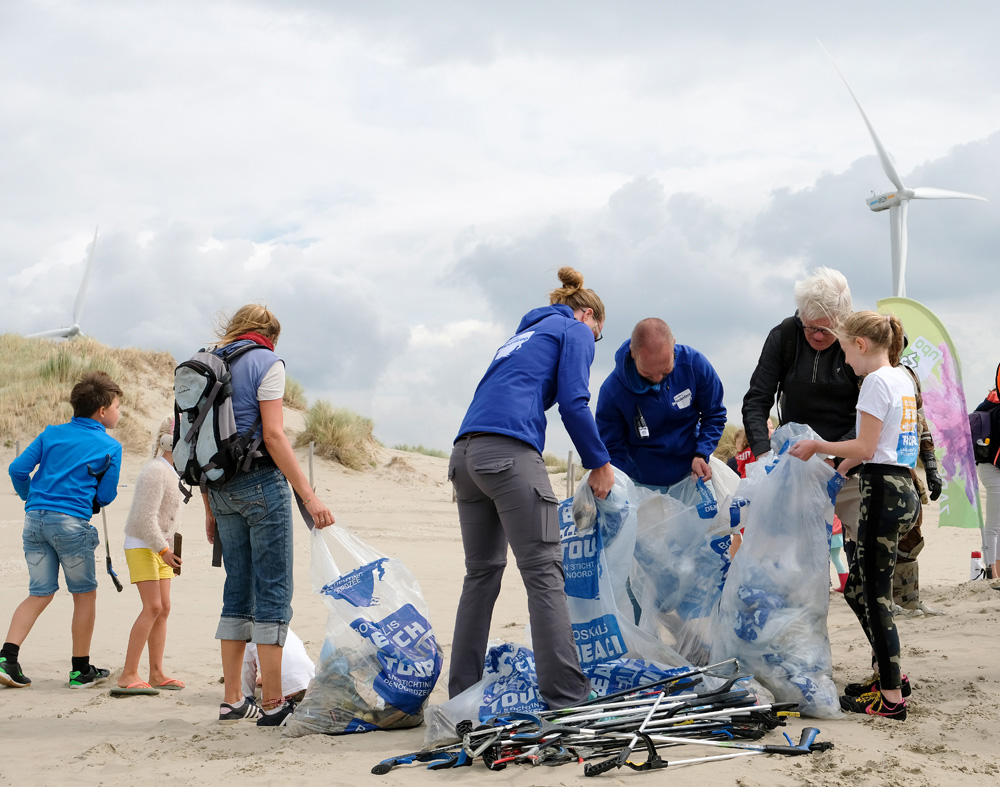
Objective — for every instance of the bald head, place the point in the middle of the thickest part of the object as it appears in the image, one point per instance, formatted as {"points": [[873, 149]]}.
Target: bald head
{"points": [[652, 349]]}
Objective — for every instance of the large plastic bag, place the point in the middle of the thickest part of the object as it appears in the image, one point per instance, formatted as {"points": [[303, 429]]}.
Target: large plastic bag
{"points": [[773, 612], [681, 561], [596, 564], [380, 660]]}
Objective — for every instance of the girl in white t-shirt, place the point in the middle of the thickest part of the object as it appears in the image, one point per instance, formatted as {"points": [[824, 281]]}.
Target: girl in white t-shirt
{"points": [[886, 448]]}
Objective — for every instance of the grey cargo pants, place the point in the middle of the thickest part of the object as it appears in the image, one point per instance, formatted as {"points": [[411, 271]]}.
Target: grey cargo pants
{"points": [[504, 496]]}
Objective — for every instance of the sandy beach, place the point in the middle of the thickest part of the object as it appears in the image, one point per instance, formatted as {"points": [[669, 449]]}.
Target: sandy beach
{"points": [[403, 507]]}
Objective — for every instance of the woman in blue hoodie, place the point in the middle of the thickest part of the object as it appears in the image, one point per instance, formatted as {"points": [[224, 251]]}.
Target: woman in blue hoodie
{"points": [[503, 490]]}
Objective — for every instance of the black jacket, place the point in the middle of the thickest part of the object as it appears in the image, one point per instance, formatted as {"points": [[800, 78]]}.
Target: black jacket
{"points": [[814, 388]]}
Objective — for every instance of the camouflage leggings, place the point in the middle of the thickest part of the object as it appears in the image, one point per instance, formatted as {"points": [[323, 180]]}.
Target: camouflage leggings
{"points": [[889, 507]]}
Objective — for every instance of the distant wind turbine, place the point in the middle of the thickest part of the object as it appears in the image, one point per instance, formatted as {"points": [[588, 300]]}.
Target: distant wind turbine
{"points": [[74, 329], [897, 201]]}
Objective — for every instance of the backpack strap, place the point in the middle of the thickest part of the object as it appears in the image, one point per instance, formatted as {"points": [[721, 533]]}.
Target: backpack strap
{"points": [[789, 336]]}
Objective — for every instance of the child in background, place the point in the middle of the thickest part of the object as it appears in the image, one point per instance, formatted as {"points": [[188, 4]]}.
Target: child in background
{"points": [[60, 498], [886, 447], [149, 533], [297, 669]]}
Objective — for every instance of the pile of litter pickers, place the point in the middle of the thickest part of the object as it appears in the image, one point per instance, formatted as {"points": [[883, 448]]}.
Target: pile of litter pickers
{"points": [[626, 729]]}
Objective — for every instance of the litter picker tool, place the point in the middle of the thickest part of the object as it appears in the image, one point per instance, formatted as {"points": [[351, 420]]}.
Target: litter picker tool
{"points": [[99, 474]]}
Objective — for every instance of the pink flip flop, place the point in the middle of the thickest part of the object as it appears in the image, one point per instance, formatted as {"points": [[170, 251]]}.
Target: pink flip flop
{"points": [[171, 684]]}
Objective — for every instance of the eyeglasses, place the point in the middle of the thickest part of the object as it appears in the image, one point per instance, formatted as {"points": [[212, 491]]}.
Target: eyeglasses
{"points": [[599, 335], [816, 329]]}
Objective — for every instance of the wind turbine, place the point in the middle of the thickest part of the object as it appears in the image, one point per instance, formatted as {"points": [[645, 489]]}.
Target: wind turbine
{"points": [[74, 329], [897, 202]]}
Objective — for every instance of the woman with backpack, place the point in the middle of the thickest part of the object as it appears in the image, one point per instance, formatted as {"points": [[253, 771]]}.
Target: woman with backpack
{"points": [[252, 514], [503, 490], [987, 461]]}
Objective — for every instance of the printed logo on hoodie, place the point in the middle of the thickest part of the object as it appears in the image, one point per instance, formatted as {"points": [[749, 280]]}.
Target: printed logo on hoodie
{"points": [[683, 399], [512, 344]]}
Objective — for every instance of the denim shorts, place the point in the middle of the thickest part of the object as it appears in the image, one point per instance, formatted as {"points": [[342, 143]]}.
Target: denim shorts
{"points": [[253, 517], [52, 539]]}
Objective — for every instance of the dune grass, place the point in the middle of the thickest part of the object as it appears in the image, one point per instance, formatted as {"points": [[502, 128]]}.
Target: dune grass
{"points": [[36, 376], [295, 395], [421, 449], [340, 435], [557, 464]]}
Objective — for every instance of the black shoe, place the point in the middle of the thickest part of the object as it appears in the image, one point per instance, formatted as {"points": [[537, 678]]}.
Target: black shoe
{"points": [[248, 710], [874, 704], [92, 677], [872, 684], [277, 717], [11, 675]]}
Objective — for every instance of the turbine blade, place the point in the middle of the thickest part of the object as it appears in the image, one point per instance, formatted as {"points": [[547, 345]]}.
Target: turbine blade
{"points": [[81, 294], [887, 165], [55, 333], [928, 192]]}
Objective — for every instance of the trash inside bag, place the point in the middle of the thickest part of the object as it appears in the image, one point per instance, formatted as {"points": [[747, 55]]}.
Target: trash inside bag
{"points": [[380, 659], [773, 612], [681, 563]]}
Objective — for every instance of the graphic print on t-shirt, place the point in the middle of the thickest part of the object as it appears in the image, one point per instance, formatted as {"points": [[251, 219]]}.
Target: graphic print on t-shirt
{"points": [[908, 444]]}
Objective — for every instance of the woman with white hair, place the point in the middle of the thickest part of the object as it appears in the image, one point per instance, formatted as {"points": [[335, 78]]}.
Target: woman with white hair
{"points": [[802, 368]]}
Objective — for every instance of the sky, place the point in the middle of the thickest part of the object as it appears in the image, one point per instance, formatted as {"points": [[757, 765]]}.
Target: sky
{"points": [[400, 182]]}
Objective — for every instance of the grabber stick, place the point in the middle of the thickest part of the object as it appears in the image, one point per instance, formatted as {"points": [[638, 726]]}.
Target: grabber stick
{"points": [[107, 548]]}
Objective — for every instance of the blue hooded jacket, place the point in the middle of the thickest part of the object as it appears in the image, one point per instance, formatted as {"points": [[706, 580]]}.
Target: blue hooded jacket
{"points": [[61, 482], [546, 362], [684, 414]]}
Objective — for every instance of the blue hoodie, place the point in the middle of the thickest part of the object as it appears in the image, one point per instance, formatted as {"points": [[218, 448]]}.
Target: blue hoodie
{"points": [[684, 414], [61, 483], [546, 362]]}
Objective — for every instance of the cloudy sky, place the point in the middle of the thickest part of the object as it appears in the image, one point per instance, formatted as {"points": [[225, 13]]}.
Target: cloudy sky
{"points": [[400, 181]]}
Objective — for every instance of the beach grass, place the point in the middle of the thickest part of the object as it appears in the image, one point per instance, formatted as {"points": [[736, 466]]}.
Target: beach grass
{"points": [[340, 434], [421, 449], [295, 395], [36, 376]]}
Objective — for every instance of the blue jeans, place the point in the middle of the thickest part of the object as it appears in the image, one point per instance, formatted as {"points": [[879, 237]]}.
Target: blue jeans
{"points": [[52, 539], [253, 517]]}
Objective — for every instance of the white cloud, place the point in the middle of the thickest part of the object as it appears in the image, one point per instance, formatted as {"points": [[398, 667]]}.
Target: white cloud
{"points": [[402, 181]]}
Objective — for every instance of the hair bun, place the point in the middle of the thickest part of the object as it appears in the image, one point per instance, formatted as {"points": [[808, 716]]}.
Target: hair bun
{"points": [[570, 277]]}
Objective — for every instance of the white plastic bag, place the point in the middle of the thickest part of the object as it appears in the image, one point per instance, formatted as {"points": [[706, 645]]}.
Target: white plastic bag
{"points": [[380, 659], [773, 612]]}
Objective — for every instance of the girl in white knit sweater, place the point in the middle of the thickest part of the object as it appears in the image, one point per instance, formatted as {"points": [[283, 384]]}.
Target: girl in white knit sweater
{"points": [[149, 533]]}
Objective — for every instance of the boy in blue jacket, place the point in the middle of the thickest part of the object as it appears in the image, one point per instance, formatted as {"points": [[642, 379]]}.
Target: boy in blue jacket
{"points": [[660, 412], [60, 498]]}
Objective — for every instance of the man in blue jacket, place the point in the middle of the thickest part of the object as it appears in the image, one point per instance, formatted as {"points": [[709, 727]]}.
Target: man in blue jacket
{"points": [[660, 411]]}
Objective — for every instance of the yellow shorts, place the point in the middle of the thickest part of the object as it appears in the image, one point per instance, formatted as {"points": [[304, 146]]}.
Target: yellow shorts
{"points": [[144, 565]]}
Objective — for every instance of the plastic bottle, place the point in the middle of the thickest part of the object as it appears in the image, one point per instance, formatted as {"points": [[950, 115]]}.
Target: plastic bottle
{"points": [[977, 569]]}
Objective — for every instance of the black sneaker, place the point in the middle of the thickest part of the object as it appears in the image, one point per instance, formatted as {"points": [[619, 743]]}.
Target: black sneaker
{"points": [[277, 717], [248, 710], [872, 684], [11, 675], [874, 704], [94, 676]]}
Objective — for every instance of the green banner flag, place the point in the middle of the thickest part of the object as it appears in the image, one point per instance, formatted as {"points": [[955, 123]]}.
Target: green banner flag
{"points": [[931, 354]]}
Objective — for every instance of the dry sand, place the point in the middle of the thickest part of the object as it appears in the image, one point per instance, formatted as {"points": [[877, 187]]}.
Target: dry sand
{"points": [[52, 735]]}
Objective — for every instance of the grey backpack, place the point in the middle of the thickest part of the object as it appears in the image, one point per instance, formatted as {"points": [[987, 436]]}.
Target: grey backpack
{"points": [[208, 451]]}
